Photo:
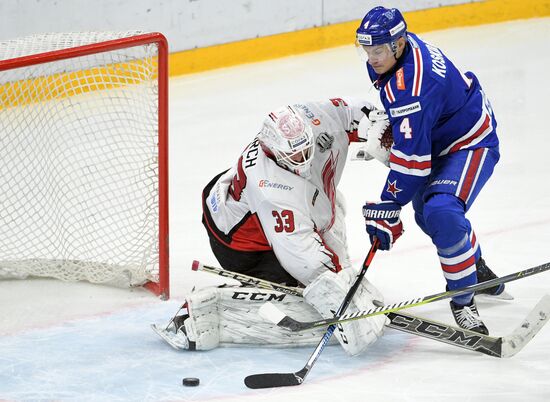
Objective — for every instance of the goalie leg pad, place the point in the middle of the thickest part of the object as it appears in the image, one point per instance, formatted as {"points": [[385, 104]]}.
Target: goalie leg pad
{"points": [[228, 316], [326, 294]]}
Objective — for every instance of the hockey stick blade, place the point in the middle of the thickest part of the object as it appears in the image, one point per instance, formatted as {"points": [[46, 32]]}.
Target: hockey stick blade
{"points": [[274, 380], [532, 324], [269, 312]]}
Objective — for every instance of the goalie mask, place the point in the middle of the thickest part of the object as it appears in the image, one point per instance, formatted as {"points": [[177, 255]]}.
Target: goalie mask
{"points": [[287, 138]]}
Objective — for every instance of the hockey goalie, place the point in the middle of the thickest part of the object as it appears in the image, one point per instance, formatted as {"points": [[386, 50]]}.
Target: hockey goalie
{"points": [[277, 215]]}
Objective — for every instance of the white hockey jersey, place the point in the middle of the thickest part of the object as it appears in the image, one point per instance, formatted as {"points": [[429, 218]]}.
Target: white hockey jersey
{"points": [[258, 205]]}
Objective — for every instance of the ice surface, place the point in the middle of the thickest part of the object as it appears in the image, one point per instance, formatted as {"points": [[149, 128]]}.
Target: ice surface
{"points": [[61, 341]]}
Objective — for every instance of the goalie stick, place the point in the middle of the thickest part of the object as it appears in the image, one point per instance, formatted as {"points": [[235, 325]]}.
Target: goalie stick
{"points": [[501, 347], [287, 379], [273, 314], [270, 380]]}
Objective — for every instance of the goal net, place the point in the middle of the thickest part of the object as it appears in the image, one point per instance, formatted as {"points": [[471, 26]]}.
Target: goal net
{"points": [[83, 158]]}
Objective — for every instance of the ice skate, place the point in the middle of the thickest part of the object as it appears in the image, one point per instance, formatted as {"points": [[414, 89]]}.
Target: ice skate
{"points": [[467, 317], [485, 274], [174, 333]]}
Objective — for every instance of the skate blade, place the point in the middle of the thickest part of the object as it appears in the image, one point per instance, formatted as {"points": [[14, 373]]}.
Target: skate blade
{"points": [[171, 338], [503, 296]]}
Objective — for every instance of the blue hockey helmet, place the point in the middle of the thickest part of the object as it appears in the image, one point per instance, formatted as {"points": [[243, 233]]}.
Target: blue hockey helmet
{"points": [[381, 25]]}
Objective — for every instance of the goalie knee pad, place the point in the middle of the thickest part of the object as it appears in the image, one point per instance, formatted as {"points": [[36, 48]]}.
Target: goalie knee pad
{"points": [[228, 316], [202, 325], [327, 293]]}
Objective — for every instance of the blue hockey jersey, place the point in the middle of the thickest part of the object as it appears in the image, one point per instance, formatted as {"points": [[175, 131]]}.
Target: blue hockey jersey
{"points": [[434, 110]]}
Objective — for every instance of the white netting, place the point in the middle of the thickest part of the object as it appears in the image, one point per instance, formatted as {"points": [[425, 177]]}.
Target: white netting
{"points": [[79, 165]]}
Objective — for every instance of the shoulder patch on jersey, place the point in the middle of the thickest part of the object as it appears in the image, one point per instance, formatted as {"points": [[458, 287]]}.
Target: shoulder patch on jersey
{"points": [[215, 198], [405, 110], [214, 203], [324, 141], [400, 78]]}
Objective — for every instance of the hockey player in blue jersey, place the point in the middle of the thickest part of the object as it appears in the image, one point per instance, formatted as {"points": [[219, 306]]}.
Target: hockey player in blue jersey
{"points": [[444, 150]]}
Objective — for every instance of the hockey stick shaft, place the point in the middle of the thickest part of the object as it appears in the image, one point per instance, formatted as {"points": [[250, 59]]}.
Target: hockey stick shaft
{"points": [[245, 279], [270, 380], [344, 306], [268, 285], [294, 325]]}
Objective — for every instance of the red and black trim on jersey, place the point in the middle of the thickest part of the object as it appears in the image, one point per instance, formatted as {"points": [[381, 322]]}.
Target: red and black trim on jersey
{"points": [[247, 235], [334, 264]]}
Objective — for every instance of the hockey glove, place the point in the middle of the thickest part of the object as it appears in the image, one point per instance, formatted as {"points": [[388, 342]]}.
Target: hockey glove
{"points": [[375, 130], [383, 222]]}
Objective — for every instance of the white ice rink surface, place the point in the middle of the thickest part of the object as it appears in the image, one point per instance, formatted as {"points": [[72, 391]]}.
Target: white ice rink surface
{"points": [[62, 341]]}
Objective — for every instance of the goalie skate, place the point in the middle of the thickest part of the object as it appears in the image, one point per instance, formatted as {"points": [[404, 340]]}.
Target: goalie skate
{"points": [[177, 339]]}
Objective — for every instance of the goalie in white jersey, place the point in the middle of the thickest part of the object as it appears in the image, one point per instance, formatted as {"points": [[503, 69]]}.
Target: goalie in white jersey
{"points": [[276, 215]]}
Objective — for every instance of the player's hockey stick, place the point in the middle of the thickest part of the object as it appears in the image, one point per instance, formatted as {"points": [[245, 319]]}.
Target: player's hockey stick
{"points": [[270, 380], [501, 347], [273, 314], [246, 280]]}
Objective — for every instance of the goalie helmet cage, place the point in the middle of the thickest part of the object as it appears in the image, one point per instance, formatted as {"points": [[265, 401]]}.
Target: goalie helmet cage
{"points": [[84, 158]]}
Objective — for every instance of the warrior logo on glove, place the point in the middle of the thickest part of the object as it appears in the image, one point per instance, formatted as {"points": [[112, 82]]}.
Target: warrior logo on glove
{"points": [[383, 222]]}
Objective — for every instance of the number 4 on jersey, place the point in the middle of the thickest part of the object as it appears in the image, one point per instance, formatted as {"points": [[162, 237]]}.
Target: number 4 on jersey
{"points": [[405, 128]]}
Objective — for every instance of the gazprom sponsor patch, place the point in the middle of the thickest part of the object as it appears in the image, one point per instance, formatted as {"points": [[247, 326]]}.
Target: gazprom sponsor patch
{"points": [[405, 110]]}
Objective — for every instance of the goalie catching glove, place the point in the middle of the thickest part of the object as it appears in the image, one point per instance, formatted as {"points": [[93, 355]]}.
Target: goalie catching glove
{"points": [[383, 222], [326, 294], [375, 129]]}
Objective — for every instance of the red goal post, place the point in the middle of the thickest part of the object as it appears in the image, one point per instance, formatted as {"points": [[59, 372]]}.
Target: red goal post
{"points": [[84, 158]]}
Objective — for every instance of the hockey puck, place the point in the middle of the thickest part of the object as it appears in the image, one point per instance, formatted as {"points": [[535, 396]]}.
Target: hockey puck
{"points": [[190, 381]]}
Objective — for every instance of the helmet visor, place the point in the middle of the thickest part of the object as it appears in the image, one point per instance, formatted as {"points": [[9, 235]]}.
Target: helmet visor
{"points": [[373, 54]]}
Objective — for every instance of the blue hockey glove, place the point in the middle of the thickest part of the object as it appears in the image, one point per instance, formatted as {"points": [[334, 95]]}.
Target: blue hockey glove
{"points": [[383, 222]]}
